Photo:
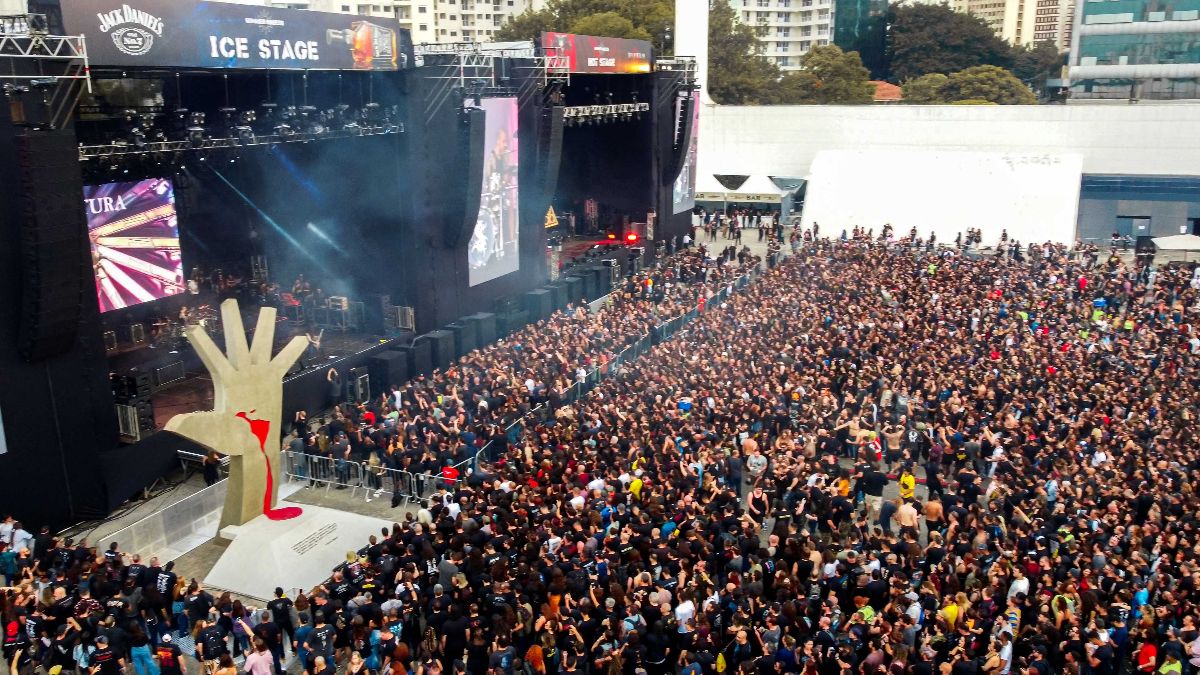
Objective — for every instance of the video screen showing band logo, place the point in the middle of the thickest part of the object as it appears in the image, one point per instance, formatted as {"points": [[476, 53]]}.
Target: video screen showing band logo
{"points": [[494, 249], [134, 233], [592, 54]]}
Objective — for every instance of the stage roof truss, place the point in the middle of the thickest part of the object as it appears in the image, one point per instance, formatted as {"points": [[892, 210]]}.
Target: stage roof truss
{"points": [[685, 65], [60, 62], [116, 150]]}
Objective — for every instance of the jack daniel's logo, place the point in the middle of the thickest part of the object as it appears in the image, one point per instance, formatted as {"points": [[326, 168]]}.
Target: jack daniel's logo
{"points": [[133, 31]]}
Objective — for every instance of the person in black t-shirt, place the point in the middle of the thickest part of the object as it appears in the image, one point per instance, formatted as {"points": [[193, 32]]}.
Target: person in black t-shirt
{"points": [[281, 614], [169, 657], [104, 660], [210, 641]]}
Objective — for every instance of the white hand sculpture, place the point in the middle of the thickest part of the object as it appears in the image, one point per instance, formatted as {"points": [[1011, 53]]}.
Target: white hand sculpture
{"points": [[247, 411]]}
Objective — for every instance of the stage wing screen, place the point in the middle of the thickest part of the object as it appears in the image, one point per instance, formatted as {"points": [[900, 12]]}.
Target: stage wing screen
{"points": [[493, 251], [1034, 197], [135, 241]]}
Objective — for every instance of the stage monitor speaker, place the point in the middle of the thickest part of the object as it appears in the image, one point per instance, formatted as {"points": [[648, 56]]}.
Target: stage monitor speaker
{"points": [[485, 328], [574, 287], [558, 295], [590, 277], [388, 368], [538, 303], [54, 243], [441, 347], [464, 203], [513, 321], [419, 357], [466, 336]]}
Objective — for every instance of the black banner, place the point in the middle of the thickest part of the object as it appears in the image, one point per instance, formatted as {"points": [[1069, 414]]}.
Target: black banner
{"points": [[198, 34]]}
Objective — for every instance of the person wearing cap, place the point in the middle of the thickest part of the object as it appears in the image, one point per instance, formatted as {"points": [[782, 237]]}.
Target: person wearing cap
{"points": [[169, 657], [104, 661]]}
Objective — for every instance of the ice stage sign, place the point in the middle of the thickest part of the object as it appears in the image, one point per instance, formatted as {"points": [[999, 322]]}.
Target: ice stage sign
{"points": [[199, 34]]}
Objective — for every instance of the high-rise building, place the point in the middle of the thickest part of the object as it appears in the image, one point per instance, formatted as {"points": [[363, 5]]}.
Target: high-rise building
{"points": [[1024, 22], [788, 28], [852, 21], [1136, 49], [429, 20]]}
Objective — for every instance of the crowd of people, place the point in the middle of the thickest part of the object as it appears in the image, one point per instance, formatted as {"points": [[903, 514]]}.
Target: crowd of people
{"points": [[875, 458]]}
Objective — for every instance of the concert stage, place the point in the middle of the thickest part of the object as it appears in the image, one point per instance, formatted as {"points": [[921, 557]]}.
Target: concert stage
{"points": [[163, 176]]}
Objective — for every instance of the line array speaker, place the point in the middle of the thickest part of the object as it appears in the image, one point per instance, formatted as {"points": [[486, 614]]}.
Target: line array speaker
{"points": [[463, 208], [54, 244]]}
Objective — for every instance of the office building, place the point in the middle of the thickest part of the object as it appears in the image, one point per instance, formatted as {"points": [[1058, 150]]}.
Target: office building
{"points": [[1024, 22], [1136, 49]]}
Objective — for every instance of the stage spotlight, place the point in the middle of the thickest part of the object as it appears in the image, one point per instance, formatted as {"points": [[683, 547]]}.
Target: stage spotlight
{"points": [[195, 129], [372, 114], [139, 138]]}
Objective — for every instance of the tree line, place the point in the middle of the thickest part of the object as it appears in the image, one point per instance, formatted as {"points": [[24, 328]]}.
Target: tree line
{"points": [[935, 54]]}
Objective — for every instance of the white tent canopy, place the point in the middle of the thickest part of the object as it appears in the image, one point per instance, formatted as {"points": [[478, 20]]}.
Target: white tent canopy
{"points": [[758, 189], [1178, 242], [709, 189]]}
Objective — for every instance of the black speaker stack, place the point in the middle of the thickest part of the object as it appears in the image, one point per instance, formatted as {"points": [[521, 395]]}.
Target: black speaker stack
{"points": [[54, 243], [135, 390]]}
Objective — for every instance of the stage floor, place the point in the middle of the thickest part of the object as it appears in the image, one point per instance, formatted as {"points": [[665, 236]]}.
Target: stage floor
{"points": [[194, 391]]}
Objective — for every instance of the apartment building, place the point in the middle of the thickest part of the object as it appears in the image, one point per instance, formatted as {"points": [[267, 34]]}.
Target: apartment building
{"points": [[788, 28], [429, 20], [1024, 22]]}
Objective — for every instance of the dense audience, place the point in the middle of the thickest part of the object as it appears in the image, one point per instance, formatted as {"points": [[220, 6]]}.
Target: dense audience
{"points": [[874, 459]]}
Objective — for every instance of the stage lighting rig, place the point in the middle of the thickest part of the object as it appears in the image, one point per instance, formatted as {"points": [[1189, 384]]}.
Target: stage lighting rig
{"points": [[196, 131]]}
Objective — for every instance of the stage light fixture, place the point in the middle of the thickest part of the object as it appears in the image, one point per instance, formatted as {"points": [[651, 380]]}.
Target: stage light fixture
{"points": [[195, 129]]}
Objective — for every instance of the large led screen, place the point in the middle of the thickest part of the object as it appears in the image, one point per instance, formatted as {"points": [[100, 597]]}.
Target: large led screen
{"points": [[493, 250], [135, 241]]}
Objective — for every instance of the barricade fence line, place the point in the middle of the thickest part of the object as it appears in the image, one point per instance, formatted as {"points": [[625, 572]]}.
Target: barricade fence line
{"points": [[404, 486]]}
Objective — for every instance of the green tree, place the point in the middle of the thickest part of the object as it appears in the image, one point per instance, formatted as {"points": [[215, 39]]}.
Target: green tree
{"points": [[925, 89], [609, 24], [528, 25], [987, 83], [936, 39], [838, 77], [1036, 63], [738, 74]]}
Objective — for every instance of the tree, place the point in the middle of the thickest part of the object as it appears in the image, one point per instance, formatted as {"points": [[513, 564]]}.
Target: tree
{"points": [[987, 83], [647, 20], [738, 74], [609, 24], [838, 77], [528, 25], [936, 39], [925, 89], [1036, 63]]}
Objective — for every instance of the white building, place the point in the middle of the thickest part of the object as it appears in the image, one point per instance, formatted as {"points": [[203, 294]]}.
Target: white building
{"points": [[429, 20], [1024, 22], [787, 28]]}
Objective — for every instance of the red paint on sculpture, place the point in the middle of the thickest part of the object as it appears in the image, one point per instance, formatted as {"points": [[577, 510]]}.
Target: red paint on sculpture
{"points": [[262, 431]]}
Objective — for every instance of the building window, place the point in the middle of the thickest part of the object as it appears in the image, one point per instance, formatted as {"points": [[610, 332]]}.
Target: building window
{"points": [[453, 33], [805, 45], [785, 3], [764, 3], [805, 31], [781, 46], [345, 9], [423, 27], [783, 31], [785, 61], [806, 3], [421, 9], [783, 17], [806, 16], [822, 30]]}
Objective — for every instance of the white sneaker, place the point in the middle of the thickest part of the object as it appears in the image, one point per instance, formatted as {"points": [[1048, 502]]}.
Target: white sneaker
{"points": [[379, 492], [368, 498]]}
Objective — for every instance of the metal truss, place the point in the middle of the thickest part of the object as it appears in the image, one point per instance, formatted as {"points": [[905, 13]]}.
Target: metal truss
{"points": [[624, 110], [114, 150], [684, 65]]}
